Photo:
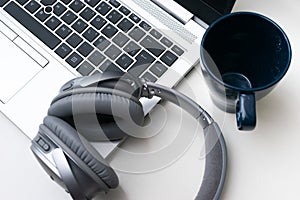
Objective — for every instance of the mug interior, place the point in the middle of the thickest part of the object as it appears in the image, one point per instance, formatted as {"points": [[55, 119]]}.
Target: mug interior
{"points": [[246, 45]]}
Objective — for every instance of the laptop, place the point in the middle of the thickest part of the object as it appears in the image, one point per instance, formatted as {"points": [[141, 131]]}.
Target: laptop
{"points": [[45, 43]]}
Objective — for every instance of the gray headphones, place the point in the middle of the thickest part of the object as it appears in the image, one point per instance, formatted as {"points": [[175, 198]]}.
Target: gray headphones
{"points": [[62, 144]]}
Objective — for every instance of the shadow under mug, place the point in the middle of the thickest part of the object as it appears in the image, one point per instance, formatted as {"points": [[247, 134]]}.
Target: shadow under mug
{"points": [[244, 55]]}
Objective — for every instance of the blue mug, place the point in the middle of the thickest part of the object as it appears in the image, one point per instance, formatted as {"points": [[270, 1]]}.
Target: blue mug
{"points": [[244, 55]]}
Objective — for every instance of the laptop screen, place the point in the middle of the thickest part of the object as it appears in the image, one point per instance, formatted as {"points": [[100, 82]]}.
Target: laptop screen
{"points": [[207, 10]]}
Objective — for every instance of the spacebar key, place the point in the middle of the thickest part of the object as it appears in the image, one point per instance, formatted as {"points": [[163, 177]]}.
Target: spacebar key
{"points": [[32, 25]]}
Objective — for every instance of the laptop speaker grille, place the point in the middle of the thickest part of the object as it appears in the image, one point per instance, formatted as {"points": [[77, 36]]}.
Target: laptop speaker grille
{"points": [[166, 20]]}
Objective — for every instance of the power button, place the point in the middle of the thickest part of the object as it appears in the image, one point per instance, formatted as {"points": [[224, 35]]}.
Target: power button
{"points": [[41, 142]]}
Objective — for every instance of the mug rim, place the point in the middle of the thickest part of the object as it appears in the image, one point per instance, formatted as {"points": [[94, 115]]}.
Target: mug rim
{"points": [[220, 81]]}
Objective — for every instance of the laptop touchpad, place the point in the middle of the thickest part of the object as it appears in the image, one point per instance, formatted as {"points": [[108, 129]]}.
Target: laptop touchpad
{"points": [[16, 68]]}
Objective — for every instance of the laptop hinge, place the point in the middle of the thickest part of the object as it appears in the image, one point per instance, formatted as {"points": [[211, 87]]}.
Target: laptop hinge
{"points": [[174, 9], [200, 22]]}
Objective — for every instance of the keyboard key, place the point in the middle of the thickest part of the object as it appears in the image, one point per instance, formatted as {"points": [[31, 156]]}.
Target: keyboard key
{"points": [[74, 59], [85, 49], [115, 3], [113, 52], [74, 40], [41, 15], [136, 33], [85, 68], [63, 31], [124, 61], [158, 69], [155, 34], [168, 58], [32, 6], [90, 34], [149, 77], [59, 9], [77, 5], [120, 39], [135, 18], [92, 3], [101, 43], [22, 2], [87, 14], [166, 42], [98, 22], [63, 50], [132, 48], [109, 66], [3, 2], [66, 1], [125, 25], [153, 46], [103, 8], [48, 2], [144, 60], [79, 25], [109, 31], [96, 58], [32, 25], [53, 23], [145, 26], [69, 17], [114, 16], [124, 10], [177, 50]]}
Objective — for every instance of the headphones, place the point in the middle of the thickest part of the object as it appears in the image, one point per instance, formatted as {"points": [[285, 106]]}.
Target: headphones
{"points": [[62, 144]]}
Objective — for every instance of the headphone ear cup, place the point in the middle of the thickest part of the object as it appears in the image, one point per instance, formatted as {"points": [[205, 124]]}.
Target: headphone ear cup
{"points": [[84, 153], [99, 116]]}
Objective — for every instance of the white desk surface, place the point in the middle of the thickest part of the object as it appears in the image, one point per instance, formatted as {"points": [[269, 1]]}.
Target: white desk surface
{"points": [[263, 164]]}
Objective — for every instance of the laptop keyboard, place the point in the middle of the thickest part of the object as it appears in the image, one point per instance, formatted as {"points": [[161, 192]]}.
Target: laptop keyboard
{"points": [[94, 36]]}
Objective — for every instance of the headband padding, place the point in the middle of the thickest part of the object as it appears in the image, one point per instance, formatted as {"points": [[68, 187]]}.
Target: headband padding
{"points": [[99, 116], [81, 147]]}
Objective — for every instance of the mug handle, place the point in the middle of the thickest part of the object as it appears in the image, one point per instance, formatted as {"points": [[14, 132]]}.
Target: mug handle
{"points": [[246, 112]]}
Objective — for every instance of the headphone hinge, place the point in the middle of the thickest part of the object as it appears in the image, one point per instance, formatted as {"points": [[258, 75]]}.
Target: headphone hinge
{"points": [[146, 91], [205, 119]]}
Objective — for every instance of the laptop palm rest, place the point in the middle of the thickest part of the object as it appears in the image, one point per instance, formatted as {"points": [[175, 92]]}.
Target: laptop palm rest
{"points": [[16, 68]]}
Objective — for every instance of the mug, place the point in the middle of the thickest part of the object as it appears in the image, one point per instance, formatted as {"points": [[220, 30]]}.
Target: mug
{"points": [[244, 55]]}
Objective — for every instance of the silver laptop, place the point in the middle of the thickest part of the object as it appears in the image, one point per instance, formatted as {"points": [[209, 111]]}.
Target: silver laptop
{"points": [[44, 43]]}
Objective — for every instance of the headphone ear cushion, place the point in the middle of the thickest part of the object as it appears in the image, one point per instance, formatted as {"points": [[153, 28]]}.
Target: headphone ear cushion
{"points": [[71, 139], [94, 113]]}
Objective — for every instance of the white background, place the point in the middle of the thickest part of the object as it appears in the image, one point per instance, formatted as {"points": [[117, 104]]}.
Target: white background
{"points": [[263, 164]]}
